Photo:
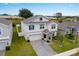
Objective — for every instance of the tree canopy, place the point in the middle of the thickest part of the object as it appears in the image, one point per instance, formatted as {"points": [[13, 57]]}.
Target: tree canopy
{"points": [[25, 13]]}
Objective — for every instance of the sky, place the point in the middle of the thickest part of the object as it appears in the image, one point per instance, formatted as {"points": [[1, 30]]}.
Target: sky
{"points": [[48, 9]]}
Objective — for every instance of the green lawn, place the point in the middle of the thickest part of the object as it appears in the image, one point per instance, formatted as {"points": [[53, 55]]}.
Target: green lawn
{"points": [[77, 54], [66, 45], [20, 47]]}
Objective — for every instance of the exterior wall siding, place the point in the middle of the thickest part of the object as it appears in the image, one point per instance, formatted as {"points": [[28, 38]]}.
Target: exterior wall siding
{"points": [[10, 34], [26, 32], [4, 30], [37, 32], [6, 33]]}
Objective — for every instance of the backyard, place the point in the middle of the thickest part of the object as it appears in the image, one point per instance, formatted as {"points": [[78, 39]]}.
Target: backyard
{"points": [[19, 46]]}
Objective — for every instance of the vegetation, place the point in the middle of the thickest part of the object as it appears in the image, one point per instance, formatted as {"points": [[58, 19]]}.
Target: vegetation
{"points": [[77, 54], [19, 46], [4, 14], [67, 44], [59, 37], [8, 48], [25, 13]]}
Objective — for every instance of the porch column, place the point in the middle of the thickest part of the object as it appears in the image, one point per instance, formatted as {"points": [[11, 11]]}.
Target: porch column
{"points": [[47, 37], [51, 36]]}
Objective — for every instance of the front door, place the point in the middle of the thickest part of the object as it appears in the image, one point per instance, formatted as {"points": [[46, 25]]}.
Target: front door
{"points": [[44, 35]]}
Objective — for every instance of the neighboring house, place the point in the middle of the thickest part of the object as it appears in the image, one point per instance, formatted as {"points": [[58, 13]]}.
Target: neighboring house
{"points": [[5, 33], [66, 27], [38, 27]]}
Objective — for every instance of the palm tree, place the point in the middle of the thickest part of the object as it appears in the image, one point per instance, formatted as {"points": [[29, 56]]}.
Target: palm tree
{"points": [[60, 38]]}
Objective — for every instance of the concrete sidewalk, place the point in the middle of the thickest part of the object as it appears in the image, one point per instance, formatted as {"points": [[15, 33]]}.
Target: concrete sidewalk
{"points": [[2, 53], [42, 49]]}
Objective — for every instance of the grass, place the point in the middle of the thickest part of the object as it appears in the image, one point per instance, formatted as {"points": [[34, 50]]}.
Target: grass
{"points": [[77, 54], [66, 45], [19, 46]]}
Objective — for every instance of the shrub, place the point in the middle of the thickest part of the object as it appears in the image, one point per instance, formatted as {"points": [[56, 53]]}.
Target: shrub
{"points": [[70, 36], [8, 48], [54, 38], [48, 41], [14, 25], [42, 38]]}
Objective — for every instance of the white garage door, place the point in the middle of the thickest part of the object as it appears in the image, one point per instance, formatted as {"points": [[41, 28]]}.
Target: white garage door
{"points": [[2, 45], [35, 37]]}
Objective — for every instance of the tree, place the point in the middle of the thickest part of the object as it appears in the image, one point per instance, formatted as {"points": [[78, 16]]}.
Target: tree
{"points": [[5, 14], [60, 38], [25, 13]]}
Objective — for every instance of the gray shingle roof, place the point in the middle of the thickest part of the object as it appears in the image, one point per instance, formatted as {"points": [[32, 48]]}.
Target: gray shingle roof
{"points": [[65, 25], [5, 21], [31, 19]]}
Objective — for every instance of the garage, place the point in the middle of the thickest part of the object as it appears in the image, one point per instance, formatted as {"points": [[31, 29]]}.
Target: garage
{"points": [[35, 37], [2, 46]]}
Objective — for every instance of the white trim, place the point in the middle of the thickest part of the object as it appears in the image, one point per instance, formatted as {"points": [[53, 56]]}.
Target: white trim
{"points": [[4, 37]]}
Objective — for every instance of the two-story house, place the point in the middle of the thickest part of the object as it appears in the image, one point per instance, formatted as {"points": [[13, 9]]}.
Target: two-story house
{"points": [[38, 27], [5, 33]]}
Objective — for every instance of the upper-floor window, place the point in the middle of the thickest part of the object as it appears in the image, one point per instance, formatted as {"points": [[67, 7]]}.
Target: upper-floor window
{"points": [[41, 19], [53, 26], [31, 27], [0, 32], [41, 26]]}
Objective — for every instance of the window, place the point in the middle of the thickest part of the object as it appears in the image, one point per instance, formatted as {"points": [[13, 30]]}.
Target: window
{"points": [[40, 19], [53, 34], [41, 26], [53, 26], [7, 43], [44, 35], [0, 32], [31, 27]]}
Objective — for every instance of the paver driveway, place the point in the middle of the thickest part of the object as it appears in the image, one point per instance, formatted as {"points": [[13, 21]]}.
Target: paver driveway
{"points": [[42, 49]]}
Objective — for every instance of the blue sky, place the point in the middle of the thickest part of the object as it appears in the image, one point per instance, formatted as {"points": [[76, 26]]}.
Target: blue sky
{"points": [[41, 8]]}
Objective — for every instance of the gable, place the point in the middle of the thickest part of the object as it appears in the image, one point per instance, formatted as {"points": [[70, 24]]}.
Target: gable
{"points": [[36, 19], [41, 19]]}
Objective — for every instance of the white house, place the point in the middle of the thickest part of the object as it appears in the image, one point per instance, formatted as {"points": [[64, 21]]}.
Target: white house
{"points": [[5, 33], [38, 27]]}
